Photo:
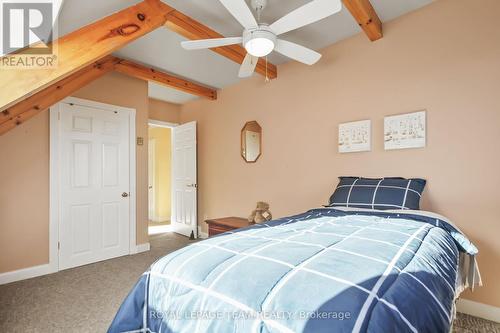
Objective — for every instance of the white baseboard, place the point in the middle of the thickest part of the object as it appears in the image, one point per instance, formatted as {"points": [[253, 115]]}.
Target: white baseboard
{"points": [[480, 310], [25, 273], [202, 234], [159, 229], [35, 271], [141, 248]]}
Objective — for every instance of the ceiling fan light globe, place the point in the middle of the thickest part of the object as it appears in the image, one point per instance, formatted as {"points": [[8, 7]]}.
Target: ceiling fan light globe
{"points": [[259, 47], [260, 41]]}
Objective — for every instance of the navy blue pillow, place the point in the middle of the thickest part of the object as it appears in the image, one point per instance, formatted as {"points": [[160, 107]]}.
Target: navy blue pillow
{"points": [[381, 193]]}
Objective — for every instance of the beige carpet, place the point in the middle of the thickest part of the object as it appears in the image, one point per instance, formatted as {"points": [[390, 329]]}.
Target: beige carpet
{"points": [[85, 299]]}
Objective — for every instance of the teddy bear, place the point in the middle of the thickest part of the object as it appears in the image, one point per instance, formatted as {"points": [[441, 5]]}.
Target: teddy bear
{"points": [[261, 213]]}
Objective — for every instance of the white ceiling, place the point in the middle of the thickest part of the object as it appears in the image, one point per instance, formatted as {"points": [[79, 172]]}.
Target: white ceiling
{"points": [[161, 48]]}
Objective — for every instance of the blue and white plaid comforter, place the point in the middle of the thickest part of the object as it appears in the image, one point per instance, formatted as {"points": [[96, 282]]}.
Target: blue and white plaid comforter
{"points": [[322, 271]]}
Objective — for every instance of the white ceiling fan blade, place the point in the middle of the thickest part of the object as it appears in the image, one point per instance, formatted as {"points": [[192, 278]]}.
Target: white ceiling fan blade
{"points": [[210, 43], [248, 66], [309, 13], [241, 12], [297, 52]]}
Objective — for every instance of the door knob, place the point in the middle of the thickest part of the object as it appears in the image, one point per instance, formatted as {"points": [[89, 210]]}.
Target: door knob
{"points": [[192, 185], [124, 194]]}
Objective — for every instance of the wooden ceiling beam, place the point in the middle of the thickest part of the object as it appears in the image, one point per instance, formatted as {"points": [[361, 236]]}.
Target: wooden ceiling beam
{"points": [[364, 13], [83, 47], [31, 106], [192, 29], [42, 100], [150, 74]]}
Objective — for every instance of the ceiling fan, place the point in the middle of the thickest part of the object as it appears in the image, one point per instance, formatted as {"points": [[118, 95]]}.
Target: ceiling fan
{"points": [[260, 39]]}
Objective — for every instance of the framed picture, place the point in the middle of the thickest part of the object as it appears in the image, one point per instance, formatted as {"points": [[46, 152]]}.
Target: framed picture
{"points": [[355, 136], [405, 131]]}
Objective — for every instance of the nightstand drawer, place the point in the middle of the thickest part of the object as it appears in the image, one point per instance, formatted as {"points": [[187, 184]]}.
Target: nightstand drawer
{"points": [[219, 226], [217, 229]]}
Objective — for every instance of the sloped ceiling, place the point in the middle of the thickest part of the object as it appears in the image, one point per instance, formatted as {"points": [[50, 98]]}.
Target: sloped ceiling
{"points": [[161, 48]]}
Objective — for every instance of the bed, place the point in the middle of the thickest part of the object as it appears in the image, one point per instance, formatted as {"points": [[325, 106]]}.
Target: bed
{"points": [[330, 269]]}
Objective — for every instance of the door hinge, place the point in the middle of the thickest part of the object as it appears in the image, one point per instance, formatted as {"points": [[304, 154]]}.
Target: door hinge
{"points": [[59, 115], [58, 245]]}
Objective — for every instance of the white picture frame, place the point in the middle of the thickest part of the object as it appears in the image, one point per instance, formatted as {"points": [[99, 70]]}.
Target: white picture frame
{"points": [[355, 136], [405, 131]]}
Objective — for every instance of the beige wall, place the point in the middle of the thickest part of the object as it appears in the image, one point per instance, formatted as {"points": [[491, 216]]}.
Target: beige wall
{"points": [[444, 58], [24, 195], [24, 186], [162, 171], [164, 111]]}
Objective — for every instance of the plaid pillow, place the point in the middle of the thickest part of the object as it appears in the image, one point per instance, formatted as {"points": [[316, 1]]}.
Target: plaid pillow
{"points": [[382, 193]]}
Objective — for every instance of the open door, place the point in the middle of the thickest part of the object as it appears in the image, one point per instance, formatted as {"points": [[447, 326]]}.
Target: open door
{"points": [[184, 180]]}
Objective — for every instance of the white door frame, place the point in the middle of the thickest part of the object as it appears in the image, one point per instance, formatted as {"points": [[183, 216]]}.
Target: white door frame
{"points": [[55, 206], [152, 174], [162, 124]]}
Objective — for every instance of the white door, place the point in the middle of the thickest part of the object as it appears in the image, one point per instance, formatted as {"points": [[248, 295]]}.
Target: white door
{"points": [[151, 179], [184, 185], [94, 185]]}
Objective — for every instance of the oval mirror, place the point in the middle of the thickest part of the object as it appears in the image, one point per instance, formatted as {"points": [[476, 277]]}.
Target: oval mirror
{"points": [[251, 142]]}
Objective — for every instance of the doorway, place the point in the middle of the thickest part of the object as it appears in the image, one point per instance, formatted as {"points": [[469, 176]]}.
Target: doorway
{"points": [[172, 174], [159, 177], [92, 191]]}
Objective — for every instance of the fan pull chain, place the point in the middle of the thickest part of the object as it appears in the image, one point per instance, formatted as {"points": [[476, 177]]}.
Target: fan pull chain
{"points": [[267, 80]]}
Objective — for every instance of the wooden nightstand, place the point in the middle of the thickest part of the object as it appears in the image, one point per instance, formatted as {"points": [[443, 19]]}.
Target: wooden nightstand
{"points": [[218, 226]]}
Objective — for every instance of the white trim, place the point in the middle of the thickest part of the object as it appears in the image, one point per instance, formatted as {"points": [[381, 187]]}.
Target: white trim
{"points": [[54, 174], [35, 271], [133, 180], [152, 177], [25, 273], [54, 187], [159, 123], [159, 229], [480, 310], [141, 248], [162, 124]]}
